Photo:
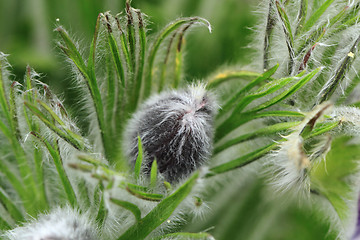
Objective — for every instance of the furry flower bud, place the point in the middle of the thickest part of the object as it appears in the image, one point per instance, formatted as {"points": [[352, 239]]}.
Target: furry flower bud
{"points": [[176, 129], [62, 223]]}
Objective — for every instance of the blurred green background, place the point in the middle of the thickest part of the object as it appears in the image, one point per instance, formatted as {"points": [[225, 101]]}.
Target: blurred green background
{"points": [[26, 31], [243, 210]]}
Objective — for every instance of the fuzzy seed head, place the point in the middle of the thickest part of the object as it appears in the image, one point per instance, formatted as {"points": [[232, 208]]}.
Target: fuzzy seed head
{"points": [[176, 129], [290, 166], [64, 224]]}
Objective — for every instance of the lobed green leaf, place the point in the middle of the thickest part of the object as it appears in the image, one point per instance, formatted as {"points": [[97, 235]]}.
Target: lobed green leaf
{"points": [[265, 90], [236, 121], [288, 92]]}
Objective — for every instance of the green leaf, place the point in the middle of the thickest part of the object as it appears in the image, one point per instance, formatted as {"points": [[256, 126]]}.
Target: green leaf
{"points": [[288, 35], [265, 131], [167, 186], [10, 207], [340, 73], [91, 160], [139, 159], [131, 33], [123, 44], [141, 62], [64, 135], [241, 161], [15, 181], [4, 225], [179, 57], [135, 186], [316, 15], [313, 117], [91, 61], [13, 111], [237, 118], [186, 236], [110, 96], [116, 57], [160, 38], [12, 132], [302, 15], [286, 23], [321, 32], [288, 92], [153, 174], [276, 114], [40, 180], [263, 77], [5, 130], [129, 206], [3, 98], [73, 136], [268, 88], [165, 66], [350, 88], [155, 197], [71, 51], [236, 121], [324, 128], [331, 178], [160, 213], [83, 193], [103, 210], [350, 19], [270, 24], [55, 154], [87, 169], [227, 75]]}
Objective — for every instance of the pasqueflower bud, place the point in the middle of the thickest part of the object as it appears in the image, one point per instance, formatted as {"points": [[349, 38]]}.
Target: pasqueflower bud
{"points": [[176, 129]]}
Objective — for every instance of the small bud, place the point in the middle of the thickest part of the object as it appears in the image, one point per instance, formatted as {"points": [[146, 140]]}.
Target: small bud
{"points": [[290, 164], [176, 128]]}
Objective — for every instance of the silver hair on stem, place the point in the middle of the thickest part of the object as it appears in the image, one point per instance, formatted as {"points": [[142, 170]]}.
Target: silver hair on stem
{"points": [[176, 129]]}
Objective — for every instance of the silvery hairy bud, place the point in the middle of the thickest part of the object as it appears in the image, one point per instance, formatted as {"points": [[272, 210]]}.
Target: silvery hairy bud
{"points": [[176, 129]]}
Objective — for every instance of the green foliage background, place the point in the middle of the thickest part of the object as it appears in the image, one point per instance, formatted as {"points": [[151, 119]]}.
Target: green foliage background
{"points": [[241, 209], [26, 30]]}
